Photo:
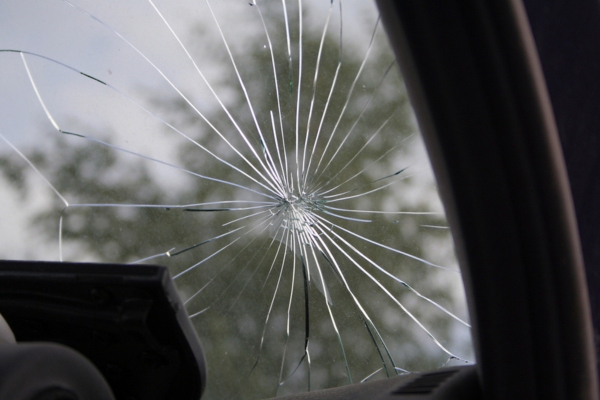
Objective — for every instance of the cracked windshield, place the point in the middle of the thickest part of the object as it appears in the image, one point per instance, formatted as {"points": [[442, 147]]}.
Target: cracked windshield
{"points": [[265, 151]]}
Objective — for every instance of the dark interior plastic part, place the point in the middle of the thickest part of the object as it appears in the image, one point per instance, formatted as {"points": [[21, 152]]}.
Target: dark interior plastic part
{"points": [[46, 371], [455, 383], [126, 319], [472, 71]]}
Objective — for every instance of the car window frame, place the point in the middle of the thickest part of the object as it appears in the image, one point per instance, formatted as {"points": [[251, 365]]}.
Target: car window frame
{"points": [[480, 97]]}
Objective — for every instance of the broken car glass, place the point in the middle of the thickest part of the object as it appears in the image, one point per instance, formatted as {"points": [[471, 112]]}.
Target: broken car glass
{"points": [[266, 153]]}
